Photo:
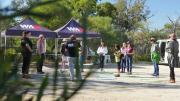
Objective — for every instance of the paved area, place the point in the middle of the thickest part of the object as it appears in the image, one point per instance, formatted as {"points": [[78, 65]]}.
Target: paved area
{"points": [[103, 86]]}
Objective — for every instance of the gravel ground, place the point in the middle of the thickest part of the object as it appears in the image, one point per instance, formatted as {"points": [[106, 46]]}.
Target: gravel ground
{"points": [[103, 86]]}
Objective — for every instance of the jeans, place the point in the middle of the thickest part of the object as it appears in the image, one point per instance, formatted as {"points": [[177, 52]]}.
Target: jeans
{"points": [[156, 68], [129, 64], [81, 61], [73, 62], [123, 63]]}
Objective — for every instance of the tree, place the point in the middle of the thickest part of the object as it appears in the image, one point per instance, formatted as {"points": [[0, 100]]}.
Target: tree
{"points": [[129, 14], [59, 11], [174, 24], [82, 8], [106, 9]]}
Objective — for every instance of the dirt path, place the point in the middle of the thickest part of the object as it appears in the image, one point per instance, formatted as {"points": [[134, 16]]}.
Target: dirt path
{"points": [[140, 86]]}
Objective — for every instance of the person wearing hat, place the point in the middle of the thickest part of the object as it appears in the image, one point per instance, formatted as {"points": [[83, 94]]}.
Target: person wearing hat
{"points": [[26, 46], [155, 56], [72, 47], [41, 50], [172, 50], [64, 53]]}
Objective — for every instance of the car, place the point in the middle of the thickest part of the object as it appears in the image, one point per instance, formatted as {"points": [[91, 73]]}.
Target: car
{"points": [[163, 54]]}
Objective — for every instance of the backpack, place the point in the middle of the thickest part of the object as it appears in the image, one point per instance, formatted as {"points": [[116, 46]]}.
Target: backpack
{"points": [[156, 56]]}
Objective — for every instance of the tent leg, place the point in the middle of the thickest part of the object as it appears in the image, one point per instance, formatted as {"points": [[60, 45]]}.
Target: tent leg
{"points": [[55, 48], [1, 41], [5, 48]]}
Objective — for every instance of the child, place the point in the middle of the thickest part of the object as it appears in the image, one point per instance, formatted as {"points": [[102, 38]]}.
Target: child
{"points": [[124, 58], [117, 55], [64, 55]]}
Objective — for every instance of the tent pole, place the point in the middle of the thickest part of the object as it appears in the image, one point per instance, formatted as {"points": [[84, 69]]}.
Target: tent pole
{"points": [[1, 41], [5, 47], [56, 48]]}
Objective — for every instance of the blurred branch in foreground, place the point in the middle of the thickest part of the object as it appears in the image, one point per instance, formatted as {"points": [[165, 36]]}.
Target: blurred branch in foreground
{"points": [[4, 12]]}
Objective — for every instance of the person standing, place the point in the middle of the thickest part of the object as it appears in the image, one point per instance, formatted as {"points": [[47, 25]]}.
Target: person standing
{"points": [[102, 51], [117, 55], [172, 50], [64, 54], [81, 56], [129, 57], [72, 47], [41, 50], [124, 58], [155, 56], [26, 46]]}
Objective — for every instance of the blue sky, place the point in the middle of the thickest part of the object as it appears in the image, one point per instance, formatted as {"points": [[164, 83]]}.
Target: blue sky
{"points": [[161, 9]]}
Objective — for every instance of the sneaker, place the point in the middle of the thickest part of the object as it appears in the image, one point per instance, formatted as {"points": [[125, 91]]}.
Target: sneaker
{"points": [[26, 76], [117, 75], [172, 81], [82, 70], [155, 75], [72, 80], [40, 72], [102, 70], [62, 71]]}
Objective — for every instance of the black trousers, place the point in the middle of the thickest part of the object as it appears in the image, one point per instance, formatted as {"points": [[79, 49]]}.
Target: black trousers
{"points": [[26, 62], [41, 62], [171, 62], [172, 74], [101, 59]]}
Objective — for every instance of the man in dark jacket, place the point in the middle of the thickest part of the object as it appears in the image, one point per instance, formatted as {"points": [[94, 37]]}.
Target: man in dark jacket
{"points": [[172, 50], [72, 47], [26, 45]]}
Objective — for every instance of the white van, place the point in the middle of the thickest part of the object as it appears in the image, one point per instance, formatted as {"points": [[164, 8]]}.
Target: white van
{"points": [[162, 44]]}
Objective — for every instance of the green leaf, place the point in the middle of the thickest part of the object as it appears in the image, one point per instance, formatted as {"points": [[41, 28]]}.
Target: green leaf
{"points": [[42, 88]]}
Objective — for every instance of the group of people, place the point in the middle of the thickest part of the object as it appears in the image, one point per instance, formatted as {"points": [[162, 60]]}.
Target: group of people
{"points": [[73, 53], [27, 50], [123, 57], [172, 49]]}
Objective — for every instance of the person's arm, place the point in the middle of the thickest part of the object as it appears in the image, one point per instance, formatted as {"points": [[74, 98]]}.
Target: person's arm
{"points": [[169, 47], [177, 47], [45, 45], [115, 53], [61, 48], [98, 50], [37, 44], [28, 47], [105, 50], [131, 52]]}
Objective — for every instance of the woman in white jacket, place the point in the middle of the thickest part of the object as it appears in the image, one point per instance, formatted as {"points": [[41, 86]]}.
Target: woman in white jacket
{"points": [[41, 50], [102, 51]]}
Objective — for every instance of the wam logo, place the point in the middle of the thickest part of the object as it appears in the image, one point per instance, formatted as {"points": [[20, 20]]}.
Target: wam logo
{"points": [[37, 27], [75, 29]]}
